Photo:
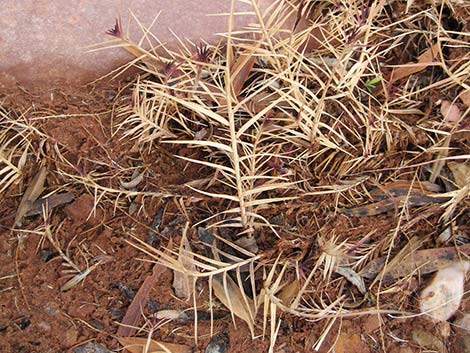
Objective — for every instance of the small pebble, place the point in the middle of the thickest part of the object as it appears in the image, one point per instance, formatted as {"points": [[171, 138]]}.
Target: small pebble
{"points": [[127, 292], [444, 329], [47, 254], [51, 309], [24, 323], [44, 326], [116, 314], [91, 348], [96, 324], [218, 344], [277, 220], [153, 305], [71, 336]]}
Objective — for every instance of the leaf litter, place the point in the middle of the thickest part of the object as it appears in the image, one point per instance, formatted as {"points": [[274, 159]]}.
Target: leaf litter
{"points": [[441, 298], [284, 127], [182, 283], [425, 60], [31, 194]]}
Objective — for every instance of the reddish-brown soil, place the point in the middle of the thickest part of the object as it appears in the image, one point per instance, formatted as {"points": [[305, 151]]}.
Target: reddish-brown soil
{"points": [[36, 316]]}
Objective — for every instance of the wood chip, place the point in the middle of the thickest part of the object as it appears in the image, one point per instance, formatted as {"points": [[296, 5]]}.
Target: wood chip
{"points": [[289, 292], [460, 172], [134, 310], [50, 202], [33, 191], [465, 97]]}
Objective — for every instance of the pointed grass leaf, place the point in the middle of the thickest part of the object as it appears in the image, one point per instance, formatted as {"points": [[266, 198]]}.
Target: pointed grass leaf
{"points": [[75, 280], [427, 261], [352, 277], [229, 294], [424, 60], [33, 191], [240, 71], [460, 172], [289, 292], [181, 280]]}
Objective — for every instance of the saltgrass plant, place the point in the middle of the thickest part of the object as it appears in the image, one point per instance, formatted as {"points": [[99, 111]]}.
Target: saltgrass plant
{"points": [[284, 114]]}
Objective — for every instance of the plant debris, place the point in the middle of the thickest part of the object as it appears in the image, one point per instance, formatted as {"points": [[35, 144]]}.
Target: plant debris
{"points": [[33, 191], [220, 343], [181, 281], [422, 261], [134, 311], [305, 193], [45, 204], [143, 345], [442, 297], [396, 195]]}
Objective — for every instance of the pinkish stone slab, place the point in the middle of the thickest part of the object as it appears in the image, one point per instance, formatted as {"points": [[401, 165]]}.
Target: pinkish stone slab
{"points": [[45, 42]]}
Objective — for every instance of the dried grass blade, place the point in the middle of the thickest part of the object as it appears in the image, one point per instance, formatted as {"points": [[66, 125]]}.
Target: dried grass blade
{"points": [[427, 261], [203, 143], [233, 298], [221, 196], [135, 308], [275, 325], [181, 280], [209, 164], [33, 191], [50, 202], [76, 279], [289, 292], [200, 109], [82, 274], [240, 71], [133, 182], [144, 345], [395, 195], [352, 277], [424, 60]]}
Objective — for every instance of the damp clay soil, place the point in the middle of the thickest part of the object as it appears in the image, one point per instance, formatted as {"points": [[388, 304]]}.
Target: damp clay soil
{"points": [[75, 140]]}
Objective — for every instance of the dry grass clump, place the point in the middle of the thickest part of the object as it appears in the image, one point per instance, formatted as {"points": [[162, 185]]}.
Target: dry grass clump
{"points": [[376, 110], [15, 144]]}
